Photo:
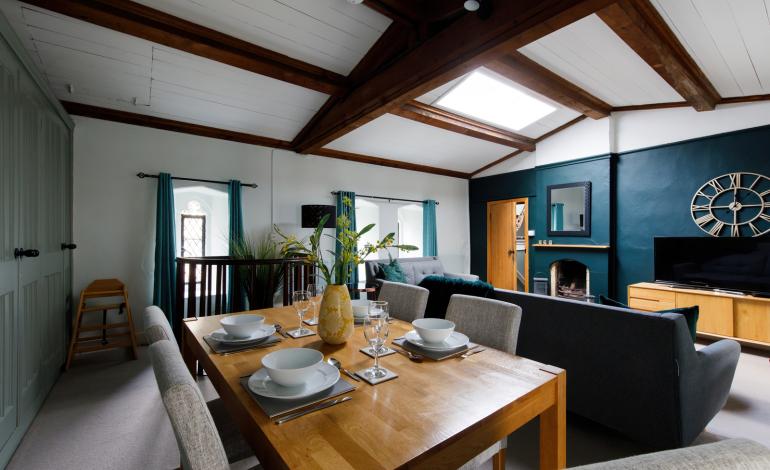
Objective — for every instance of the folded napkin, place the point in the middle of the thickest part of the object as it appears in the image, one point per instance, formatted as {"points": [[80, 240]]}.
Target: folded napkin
{"points": [[431, 354], [274, 407], [222, 348]]}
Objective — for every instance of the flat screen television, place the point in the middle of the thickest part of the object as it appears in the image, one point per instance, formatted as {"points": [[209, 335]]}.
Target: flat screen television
{"points": [[739, 264]]}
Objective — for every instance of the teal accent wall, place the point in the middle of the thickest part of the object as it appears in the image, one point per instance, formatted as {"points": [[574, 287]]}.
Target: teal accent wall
{"points": [[636, 196], [533, 184], [655, 187]]}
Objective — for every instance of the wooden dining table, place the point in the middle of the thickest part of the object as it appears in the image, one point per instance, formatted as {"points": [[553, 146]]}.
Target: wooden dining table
{"points": [[436, 414]]}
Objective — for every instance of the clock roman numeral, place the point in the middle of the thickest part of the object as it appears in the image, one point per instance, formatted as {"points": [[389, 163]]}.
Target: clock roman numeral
{"points": [[765, 193], [755, 182], [697, 207], [717, 187], [735, 180], [717, 228], [754, 229], [735, 231], [702, 194], [765, 217], [704, 219]]}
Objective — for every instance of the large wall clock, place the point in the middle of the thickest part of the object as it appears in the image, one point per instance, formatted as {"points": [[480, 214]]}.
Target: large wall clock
{"points": [[733, 205]]}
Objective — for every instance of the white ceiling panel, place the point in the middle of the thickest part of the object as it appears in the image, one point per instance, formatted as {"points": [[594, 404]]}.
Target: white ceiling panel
{"points": [[110, 69], [396, 138], [729, 40], [590, 55], [332, 34]]}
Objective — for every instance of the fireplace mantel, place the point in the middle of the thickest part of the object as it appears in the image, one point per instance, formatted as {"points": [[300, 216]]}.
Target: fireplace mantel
{"points": [[572, 246]]}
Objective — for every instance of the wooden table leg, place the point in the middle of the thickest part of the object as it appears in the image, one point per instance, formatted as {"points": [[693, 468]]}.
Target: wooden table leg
{"points": [[553, 429], [187, 353]]}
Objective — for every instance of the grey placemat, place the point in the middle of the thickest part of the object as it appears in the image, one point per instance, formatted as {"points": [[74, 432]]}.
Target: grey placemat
{"points": [[435, 355], [274, 407], [223, 348]]}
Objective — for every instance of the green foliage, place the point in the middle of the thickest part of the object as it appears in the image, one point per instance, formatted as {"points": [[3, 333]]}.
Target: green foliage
{"points": [[261, 281], [347, 241]]}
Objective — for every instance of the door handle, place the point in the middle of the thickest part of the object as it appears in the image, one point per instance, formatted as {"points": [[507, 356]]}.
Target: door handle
{"points": [[29, 253], [68, 246]]}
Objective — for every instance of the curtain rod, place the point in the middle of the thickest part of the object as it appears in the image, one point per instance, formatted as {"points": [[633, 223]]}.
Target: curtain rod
{"points": [[145, 175], [384, 198]]}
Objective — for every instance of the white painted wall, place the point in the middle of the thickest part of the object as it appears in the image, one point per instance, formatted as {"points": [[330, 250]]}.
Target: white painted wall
{"points": [[114, 211], [633, 130]]}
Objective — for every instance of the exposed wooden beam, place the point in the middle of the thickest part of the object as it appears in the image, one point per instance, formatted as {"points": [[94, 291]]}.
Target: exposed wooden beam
{"points": [[355, 157], [539, 139], [153, 25], [644, 107], [466, 44], [744, 99], [496, 162], [125, 117], [640, 26], [436, 117], [403, 11], [529, 74]]}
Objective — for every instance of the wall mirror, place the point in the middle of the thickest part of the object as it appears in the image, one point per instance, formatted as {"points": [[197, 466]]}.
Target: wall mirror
{"points": [[569, 209]]}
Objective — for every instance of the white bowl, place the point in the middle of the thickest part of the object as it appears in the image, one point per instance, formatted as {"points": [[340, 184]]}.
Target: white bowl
{"points": [[291, 367], [433, 330], [242, 326], [360, 307]]}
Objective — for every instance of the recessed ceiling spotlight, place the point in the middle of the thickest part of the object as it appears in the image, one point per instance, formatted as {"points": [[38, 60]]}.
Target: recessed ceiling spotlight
{"points": [[355, 2], [470, 5]]}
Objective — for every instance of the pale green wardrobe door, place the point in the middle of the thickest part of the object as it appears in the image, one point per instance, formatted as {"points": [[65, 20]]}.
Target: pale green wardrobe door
{"points": [[9, 280]]}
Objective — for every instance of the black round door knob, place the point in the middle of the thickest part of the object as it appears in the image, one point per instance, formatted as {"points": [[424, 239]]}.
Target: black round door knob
{"points": [[28, 253]]}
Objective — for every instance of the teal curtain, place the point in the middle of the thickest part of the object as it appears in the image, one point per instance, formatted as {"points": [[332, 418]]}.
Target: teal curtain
{"points": [[557, 216], [164, 280], [350, 212], [235, 293], [429, 239]]}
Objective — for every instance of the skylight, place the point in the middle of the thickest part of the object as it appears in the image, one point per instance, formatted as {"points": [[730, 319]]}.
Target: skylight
{"points": [[484, 97]]}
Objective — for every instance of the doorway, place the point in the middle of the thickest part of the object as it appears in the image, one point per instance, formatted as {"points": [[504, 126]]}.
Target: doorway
{"points": [[508, 244]]}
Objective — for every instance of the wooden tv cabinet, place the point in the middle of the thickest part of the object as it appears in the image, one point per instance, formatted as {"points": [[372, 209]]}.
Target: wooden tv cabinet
{"points": [[740, 317]]}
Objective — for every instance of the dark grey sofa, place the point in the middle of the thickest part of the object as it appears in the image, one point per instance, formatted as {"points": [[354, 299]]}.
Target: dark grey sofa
{"points": [[633, 372], [415, 269]]}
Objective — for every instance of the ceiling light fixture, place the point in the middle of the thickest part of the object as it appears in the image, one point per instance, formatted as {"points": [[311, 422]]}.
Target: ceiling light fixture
{"points": [[484, 96], [471, 5], [355, 2]]}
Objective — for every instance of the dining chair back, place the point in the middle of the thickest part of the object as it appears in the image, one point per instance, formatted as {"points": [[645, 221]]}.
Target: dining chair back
{"points": [[196, 433], [490, 322], [405, 302], [156, 325]]}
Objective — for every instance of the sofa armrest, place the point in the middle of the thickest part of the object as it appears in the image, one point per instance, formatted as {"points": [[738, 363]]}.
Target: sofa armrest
{"points": [[467, 277], [705, 385]]}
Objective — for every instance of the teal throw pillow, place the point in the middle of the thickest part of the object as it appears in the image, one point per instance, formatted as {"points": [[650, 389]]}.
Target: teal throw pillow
{"points": [[392, 271], [690, 313]]}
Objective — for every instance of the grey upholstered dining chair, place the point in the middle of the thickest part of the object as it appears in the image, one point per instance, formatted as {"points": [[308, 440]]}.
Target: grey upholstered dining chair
{"points": [[171, 373], [405, 302], [491, 323], [156, 325]]}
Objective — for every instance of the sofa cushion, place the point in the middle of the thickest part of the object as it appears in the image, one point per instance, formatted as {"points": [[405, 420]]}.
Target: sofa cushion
{"points": [[690, 313], [442, 288], [392, 271], [427, 268]]}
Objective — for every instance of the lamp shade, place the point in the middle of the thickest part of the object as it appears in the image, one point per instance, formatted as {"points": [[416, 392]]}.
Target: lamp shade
{"points": [[312, 215]]}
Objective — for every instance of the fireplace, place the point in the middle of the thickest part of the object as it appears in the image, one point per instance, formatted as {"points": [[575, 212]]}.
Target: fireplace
{"points": [[570, 279]]}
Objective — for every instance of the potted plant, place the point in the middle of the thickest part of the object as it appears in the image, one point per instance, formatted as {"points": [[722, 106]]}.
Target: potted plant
{"points": [[259, 281], [335, 318]]}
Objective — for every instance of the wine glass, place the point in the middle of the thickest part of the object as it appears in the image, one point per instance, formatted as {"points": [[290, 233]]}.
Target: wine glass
{"points": [[376, 330], [300, 300], [316, 291]]}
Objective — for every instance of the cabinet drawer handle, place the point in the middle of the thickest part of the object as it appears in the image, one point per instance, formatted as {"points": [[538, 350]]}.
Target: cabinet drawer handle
{"points": [[29, 253]]}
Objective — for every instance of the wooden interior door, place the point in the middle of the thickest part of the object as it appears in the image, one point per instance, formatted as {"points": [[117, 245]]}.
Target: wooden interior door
{"points": [[507, 244]]}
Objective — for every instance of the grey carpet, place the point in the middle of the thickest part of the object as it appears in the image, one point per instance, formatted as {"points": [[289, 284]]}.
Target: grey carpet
{"points": [[105, 413]]}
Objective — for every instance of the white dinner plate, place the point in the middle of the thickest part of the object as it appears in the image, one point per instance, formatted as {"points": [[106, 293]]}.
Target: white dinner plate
{"points": [[322, 378], [264, 332], [454, 341]]}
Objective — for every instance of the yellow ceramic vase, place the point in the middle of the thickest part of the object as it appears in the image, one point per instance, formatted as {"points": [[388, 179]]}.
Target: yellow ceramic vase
{"points": [[335, 319]]}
